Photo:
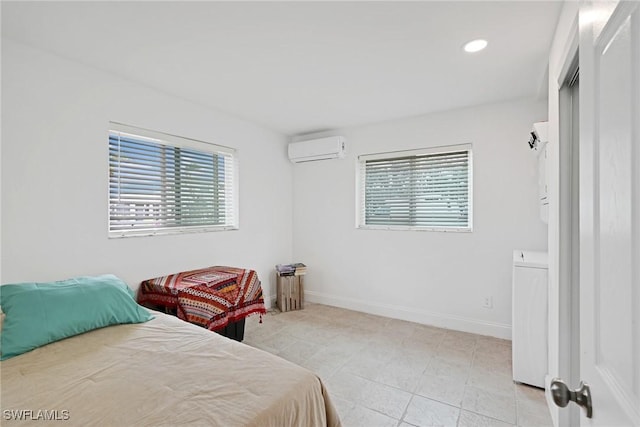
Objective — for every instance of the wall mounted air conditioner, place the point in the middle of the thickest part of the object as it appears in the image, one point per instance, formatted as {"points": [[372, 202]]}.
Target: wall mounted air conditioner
{"points": [[331, 147]]}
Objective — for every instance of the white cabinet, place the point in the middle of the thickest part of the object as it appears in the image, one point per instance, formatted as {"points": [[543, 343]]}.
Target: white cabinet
{"points": [[529, 317], [539, 144], [543, 193]]}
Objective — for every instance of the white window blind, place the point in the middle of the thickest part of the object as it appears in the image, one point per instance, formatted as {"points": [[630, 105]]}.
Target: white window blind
{"points": [[418, 189], [161, 183]]}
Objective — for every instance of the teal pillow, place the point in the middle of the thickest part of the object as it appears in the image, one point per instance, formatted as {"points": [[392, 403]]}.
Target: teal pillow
{"points": [[40, 313]]}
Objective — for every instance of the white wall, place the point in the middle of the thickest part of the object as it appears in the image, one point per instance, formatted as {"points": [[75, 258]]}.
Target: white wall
{"points": [[430, 277], [55, 177]]}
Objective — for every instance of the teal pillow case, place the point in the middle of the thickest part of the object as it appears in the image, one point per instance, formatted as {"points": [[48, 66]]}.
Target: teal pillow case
{"points": [[40, 313]]}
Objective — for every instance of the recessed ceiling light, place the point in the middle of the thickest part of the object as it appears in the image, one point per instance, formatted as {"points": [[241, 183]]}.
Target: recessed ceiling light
{"points": [[475, 45]]}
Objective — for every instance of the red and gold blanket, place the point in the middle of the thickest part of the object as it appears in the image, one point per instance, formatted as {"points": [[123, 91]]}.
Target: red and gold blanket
{"points": [[210, 297]]}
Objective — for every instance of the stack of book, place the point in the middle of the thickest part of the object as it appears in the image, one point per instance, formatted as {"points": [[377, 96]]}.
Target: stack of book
{"points": [[285, 269], [300, 269], [297, 269]]}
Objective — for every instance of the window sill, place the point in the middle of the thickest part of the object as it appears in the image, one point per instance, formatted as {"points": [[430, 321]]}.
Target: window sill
{"points": [[409, 228], [167, 231]]}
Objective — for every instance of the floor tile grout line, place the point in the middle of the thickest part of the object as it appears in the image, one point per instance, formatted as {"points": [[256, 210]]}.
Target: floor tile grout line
{"points": [[406, 408], [489, 416]]}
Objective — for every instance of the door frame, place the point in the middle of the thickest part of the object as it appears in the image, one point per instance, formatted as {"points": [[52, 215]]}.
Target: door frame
{"points": [[569, 251], [564, 297]]}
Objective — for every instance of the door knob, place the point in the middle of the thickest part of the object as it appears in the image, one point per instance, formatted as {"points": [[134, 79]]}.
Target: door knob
{"points": [[562, 395]]}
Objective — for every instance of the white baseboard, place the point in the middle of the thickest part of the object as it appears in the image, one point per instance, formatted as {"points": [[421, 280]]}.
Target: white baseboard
{"points": [[447, 321], [270, 302]]}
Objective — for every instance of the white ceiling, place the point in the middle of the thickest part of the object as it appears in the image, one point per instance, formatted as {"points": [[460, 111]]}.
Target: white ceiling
{"points": [[300, 67]]}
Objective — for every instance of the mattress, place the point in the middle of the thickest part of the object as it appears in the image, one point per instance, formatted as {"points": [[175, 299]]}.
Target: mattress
{"points": [[164, 372]]}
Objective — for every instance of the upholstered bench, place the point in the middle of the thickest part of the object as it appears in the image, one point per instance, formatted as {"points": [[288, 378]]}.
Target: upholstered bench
{"points": [[216, 298]]}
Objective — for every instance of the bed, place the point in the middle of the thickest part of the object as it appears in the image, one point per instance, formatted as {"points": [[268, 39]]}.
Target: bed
{"points": [[163, 371]]}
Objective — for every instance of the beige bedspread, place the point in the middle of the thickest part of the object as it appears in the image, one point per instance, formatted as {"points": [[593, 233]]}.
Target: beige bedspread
{"points": [[163, 372]]}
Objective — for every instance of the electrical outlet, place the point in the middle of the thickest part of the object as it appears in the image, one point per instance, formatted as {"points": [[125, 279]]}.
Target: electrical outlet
{"points": [[487, 302]]}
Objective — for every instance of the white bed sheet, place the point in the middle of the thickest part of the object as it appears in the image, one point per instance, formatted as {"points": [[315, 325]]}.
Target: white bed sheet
{"points": [[162, 372]]}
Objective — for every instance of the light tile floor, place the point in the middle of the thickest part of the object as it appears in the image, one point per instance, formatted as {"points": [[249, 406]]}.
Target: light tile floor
{"points": [[387, 372]]}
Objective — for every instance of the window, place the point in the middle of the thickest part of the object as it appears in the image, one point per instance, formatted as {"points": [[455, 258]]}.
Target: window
{"points": [[161, 183], [418, 189]]}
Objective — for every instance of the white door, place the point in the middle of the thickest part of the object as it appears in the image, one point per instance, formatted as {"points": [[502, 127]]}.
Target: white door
{"points": [[610, 210]]}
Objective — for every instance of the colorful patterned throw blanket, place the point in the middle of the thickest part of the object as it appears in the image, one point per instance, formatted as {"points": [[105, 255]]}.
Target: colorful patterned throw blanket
{"points": [[210, 297]]}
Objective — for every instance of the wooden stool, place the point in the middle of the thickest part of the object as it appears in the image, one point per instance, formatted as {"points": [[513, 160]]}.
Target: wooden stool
{"points": [[290, 293]]}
